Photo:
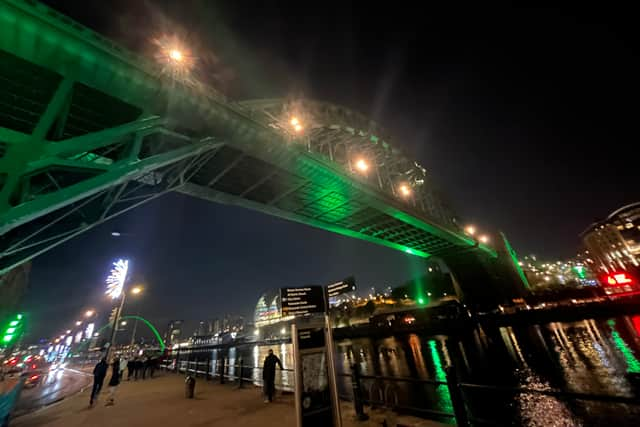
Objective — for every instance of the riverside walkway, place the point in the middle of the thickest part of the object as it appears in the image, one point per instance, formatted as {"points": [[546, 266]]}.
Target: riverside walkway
{"points": [[161, 401]]}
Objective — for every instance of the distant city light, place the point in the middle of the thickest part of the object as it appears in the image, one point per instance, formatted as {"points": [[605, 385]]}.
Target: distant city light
{"points": [[117, 277], [89, 313], [470, 230], [78, 323], [484, 239]]}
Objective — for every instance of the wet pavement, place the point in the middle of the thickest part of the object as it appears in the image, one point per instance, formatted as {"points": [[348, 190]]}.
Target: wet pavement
{"points": [[55, 386], [160, 401]]}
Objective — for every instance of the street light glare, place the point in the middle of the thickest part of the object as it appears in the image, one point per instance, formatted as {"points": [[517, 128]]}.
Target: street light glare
{"points": [[362, 165], [78, 323], [484, 239], [297, 128], [136, 290], [470, 229], [294, 121], [89, 313], [405, 191], [176, 55]]}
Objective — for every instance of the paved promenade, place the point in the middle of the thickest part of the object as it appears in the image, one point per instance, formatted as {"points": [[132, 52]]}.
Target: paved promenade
{"points": [[160, 401]]}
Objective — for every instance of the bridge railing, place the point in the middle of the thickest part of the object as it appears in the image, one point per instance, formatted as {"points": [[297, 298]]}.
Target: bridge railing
{"points": [[237, 373], [426, 398]]}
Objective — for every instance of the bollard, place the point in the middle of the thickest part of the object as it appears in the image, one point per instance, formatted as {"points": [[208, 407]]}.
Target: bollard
{"points": [[357, 393], [222, 370], [189, 387], [241, 374], [457, 400]]}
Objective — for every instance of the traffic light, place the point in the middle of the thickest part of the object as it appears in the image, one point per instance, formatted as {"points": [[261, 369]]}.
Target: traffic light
{"points": [[13, 330]]}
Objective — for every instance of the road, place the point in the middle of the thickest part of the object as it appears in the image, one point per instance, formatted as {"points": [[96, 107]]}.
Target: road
{"points": [[54, 387]]}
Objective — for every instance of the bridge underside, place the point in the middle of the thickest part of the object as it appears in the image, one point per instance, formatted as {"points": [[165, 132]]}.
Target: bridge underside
{"points": [[88, 132]]}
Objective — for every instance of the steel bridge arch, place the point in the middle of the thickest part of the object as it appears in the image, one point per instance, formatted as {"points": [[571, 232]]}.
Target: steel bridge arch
{"points": [[149, 325]]}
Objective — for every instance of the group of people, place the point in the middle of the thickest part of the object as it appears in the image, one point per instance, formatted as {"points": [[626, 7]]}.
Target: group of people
{"points": [[139, 367], [136, 367]]}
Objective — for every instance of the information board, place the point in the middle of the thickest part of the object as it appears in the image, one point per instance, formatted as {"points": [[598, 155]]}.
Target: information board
{"points": [[313, 394]]}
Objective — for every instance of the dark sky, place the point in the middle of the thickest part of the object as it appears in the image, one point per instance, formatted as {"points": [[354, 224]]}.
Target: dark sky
{"points": [[524, 117]]}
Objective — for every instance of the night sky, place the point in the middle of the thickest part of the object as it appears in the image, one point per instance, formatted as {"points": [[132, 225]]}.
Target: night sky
{"points": [[524, 117]]}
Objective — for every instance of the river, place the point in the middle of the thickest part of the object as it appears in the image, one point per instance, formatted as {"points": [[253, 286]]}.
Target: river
{"points": [[588, 356]]}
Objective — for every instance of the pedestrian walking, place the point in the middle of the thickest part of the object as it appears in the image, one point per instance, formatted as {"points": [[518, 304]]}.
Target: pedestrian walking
{"points": [[131, 366], [114, 381], [269, 375], [145, 367], [138, 368], [99, 372], [153, 363], [123, 365]]}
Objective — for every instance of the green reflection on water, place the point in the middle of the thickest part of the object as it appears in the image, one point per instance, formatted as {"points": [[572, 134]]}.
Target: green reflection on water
{"points": [[444, 399]]}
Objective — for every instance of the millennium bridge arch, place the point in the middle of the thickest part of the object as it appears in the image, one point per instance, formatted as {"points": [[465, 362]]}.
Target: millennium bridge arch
{"points": [[92, 131]]}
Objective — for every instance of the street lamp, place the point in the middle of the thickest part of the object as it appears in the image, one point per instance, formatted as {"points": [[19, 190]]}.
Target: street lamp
{"points": [[176, 55], [115, 289], [89, 313], [78, 322], [484, 239], [136, 290], [405, 190], [470, 230], [295, 124], [362, 165]]}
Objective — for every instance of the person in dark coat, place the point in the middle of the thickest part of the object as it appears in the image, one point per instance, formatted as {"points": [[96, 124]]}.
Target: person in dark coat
{"points": [[138, 367], [99, 372], [131, 366], [114, 381], [269, 375]]}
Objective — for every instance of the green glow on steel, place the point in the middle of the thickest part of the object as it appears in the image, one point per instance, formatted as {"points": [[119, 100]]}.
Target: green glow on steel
{"points": [[14, 323], [150, 326], [444, 398], [420, 301], [143, 320], [514, 260], [19, 317], [10, 330], [7, 338]]}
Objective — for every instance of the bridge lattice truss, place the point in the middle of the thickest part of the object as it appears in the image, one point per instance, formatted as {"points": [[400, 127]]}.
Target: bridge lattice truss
{"points": [[89, 131]]}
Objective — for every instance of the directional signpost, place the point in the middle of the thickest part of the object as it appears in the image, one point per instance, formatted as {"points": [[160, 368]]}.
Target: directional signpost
{"points": [[341, 287], [301, 301], [316, 400]]}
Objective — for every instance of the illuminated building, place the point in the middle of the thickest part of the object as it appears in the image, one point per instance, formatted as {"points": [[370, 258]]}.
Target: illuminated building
{"points": [[551, 273], [614, 243]]}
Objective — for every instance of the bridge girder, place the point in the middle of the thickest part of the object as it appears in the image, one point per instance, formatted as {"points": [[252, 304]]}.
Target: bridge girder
{"points": [[94, 131]]}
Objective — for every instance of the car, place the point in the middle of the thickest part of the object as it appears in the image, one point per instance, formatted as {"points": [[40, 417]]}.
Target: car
{"points": [[32, 378]]}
